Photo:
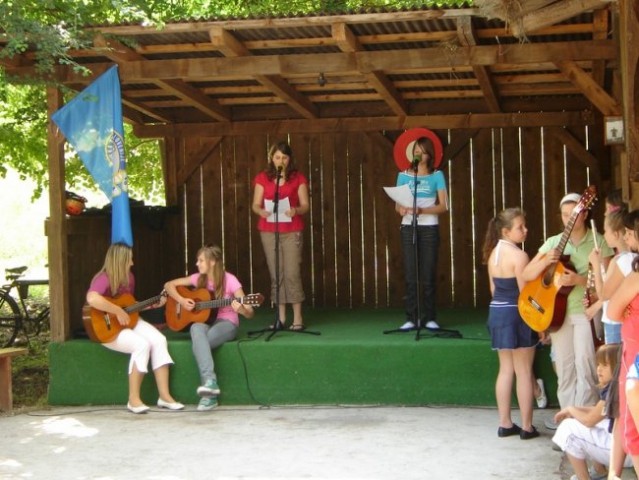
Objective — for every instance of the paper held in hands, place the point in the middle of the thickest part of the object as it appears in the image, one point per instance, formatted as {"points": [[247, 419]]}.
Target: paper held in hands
{"points": [[401, 195], [282, 206]]}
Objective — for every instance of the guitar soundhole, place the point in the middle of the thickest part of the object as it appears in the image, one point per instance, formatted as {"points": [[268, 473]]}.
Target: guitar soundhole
{"points": [[547, 279]]}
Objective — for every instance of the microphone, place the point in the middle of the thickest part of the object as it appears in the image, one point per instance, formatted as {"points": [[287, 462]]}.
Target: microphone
{"points": [[416, 160], [279, 171]]}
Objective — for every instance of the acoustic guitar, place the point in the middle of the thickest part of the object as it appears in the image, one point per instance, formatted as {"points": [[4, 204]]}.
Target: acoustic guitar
{"points": [[178, 318], [542, 302], [103, 327]]}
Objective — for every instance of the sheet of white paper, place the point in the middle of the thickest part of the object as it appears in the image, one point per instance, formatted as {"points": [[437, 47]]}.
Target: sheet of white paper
{"points": [[401, 195], [282, 206]]}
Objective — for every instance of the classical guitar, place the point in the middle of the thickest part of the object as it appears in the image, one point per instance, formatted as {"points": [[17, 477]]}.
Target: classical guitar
{"points": [[103, 327], [177, 318], [542, 302]]}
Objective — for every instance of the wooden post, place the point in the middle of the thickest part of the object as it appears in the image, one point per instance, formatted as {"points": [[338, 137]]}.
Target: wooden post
{"points": [[57, 226], [6, 392], [629, 60]]}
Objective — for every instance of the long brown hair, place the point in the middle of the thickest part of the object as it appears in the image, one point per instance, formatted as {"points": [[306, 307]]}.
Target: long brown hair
{"points": [[427, 147], [213, 253], [116, 266], [608, 354], [504, 219], [285, 148]]}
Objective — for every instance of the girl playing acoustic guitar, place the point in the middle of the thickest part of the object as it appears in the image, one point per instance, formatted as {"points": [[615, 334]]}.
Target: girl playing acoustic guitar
{"points": [[209, 335], [143, 341], [572, 343]]}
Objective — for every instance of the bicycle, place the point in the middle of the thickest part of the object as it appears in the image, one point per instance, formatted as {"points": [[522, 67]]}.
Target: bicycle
{"points": [[18, 312]]}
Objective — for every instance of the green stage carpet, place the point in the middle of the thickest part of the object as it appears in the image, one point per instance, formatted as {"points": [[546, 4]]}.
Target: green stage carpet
{"points": [[351, 362]]}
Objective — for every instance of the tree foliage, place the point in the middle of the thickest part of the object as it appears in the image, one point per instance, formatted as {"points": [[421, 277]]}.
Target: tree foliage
{"points": [[50, 29]]}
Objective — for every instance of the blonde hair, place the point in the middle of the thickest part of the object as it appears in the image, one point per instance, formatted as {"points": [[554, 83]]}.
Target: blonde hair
{"points": [[116, 266], [213, 253]]}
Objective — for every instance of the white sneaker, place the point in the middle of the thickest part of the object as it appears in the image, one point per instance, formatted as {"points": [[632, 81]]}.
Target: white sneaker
{"points": [[432, 324], [407, 326], [542, 399]]}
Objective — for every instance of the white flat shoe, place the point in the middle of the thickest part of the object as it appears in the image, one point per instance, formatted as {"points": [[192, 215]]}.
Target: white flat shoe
{"points": [[170, 405], [139, 409]]}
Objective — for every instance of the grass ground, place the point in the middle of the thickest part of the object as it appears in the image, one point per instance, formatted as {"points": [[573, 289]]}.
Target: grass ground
{"points": [[31, 373]]}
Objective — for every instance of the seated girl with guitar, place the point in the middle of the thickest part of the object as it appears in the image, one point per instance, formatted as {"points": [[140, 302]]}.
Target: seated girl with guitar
{"points": [[134, 336], [213, 330]]}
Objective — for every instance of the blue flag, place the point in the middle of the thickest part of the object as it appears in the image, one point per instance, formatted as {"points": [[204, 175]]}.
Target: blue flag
{"points": [[92, 124]]}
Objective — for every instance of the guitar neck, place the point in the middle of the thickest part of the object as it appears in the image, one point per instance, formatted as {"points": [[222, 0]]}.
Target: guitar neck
{"points": [[136, 307], [567, 231], [222, 302]]}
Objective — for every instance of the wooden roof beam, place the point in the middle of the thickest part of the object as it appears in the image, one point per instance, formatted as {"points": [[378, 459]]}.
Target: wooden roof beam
{"points": [[601, 25], [401, 61], [196, 98], [357, 124], [576, 147], [553, 14], [346, 40], [230, 46], [606, 104], [120, 53], [467, 37]]}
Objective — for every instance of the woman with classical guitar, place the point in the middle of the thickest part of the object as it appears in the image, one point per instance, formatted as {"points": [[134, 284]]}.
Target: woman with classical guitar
{"points": [[570, 332], [222, 328], [143, 341]]}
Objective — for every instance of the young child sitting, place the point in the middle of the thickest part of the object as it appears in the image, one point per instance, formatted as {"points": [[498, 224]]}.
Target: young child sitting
{"points": [[583, 433]]}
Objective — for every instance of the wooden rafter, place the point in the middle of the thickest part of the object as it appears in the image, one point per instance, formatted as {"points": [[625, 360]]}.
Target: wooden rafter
{"points": [[231, 47], [120, 53], [597, 95], [347, 42], [367, 124], [467, 38]]}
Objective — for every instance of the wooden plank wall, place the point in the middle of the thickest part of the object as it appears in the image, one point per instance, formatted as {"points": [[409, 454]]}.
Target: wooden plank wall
{"points": [[156, 239], [352, 253]]}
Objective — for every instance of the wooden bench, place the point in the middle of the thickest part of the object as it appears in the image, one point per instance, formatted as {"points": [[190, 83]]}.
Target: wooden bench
{"points": [[6, 393]]}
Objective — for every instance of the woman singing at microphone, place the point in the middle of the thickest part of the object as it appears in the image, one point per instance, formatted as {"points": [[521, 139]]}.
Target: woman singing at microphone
{"points": [[281, 177], [432, 201]]}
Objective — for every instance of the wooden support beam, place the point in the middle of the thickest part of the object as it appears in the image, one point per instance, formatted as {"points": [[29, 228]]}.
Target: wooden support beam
{"points": [[196, 99], [56, 225], [120, 53], [232, 47], [467, 37], [460, 141], [194, 161], [402, 61], [367, 124], [591, 90], [576, 147], [346, 40], [553, 14]]}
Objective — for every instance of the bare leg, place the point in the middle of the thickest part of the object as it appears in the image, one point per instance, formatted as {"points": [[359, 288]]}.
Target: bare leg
{"points": [[162, 381], [282, 310], [617, 455], [523, 361], [504, 386], [135, 382], [580, 467], [297, 314]]}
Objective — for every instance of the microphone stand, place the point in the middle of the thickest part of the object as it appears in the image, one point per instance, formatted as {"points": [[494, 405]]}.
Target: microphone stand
{"points": [[419, 326], [277, 326]]}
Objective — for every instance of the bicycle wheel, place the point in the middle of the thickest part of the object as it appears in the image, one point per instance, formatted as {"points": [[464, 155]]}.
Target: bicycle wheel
{"points": [[37, 320], [9, 319]]}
